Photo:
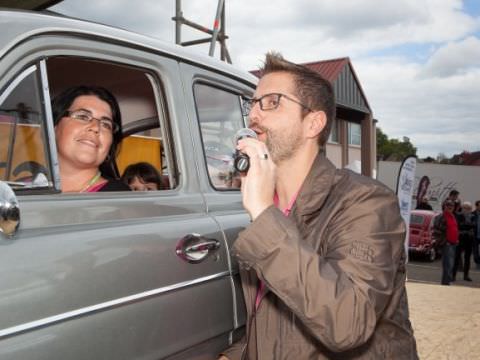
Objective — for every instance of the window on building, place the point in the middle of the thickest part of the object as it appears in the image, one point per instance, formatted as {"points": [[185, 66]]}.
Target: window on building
{"points": [[354, 134]]}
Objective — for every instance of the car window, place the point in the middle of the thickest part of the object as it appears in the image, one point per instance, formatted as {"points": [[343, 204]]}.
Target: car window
{"points": [[23, 151], [24, 156], [220, 117], [416, 219]]}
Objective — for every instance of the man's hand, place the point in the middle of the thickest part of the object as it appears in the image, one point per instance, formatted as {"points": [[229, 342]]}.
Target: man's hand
{"points": [[258, 185]]}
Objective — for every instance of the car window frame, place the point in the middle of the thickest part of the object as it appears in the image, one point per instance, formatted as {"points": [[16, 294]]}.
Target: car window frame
{"points": [[39, 64], [38, 68], [236, 92]]}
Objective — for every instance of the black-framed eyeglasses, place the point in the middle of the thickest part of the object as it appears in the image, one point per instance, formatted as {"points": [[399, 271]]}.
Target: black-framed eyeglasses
{"points": [[86, 117], [268, 102]]}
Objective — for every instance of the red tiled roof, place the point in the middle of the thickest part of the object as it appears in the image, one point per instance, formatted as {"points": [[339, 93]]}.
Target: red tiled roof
{"points": [[329, 69]]}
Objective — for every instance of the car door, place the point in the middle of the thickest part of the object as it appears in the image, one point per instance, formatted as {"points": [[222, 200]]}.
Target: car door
{"points": [[216, 99], [105, 275]]}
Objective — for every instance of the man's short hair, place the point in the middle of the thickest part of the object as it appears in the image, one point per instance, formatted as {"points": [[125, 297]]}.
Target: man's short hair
{"points": [[454, 192], [477, 202], [311, 88]]}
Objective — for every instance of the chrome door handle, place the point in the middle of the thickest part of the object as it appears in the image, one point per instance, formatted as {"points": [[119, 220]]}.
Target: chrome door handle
{"points": [[195, 248]]}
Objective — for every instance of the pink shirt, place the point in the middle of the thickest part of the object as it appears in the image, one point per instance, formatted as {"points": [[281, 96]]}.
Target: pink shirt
{"points": [[97, 187], [261, 287]]}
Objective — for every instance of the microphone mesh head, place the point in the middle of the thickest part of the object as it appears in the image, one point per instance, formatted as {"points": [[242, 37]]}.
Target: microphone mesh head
{"points": [[244, 133]]}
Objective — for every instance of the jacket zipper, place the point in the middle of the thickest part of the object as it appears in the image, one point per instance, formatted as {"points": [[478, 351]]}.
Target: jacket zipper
{"points": [[249, 328], [249, 331]]}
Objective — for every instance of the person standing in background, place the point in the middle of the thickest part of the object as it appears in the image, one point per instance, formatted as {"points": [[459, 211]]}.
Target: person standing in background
{"points": [[454, 196], [465, 244], [476, 234], [446, 229]]}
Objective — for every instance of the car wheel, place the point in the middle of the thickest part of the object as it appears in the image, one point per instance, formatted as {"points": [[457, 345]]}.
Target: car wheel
{"points": [[431, 254]]}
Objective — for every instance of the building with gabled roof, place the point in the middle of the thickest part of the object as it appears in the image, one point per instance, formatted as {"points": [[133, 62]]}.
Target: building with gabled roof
{"points": [[352, 140], [466, 158]]}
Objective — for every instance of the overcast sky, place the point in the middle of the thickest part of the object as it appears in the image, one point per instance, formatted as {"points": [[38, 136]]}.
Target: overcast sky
{"points": [[418, 61]]}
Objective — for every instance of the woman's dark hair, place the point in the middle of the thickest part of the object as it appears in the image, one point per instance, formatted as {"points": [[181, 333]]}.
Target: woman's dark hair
{"points": [[144, 171], [62, 102], [423, 185]]}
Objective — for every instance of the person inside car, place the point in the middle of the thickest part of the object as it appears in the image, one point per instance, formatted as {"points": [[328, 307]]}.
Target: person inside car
{"points": [[142, 176], [88, 131]]}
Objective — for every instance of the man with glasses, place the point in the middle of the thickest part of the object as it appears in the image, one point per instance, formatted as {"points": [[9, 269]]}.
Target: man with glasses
{"points": [[323, 261]]}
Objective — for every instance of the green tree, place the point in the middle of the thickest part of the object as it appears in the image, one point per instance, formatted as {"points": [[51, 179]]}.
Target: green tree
{"points": [[393, 149]]}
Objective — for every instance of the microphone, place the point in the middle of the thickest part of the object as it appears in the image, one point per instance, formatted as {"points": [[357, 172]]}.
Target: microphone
{"points": [[241, 161]]}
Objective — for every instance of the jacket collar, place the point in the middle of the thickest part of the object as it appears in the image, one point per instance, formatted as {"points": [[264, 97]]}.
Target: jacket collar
{"points": [[316, 186]]}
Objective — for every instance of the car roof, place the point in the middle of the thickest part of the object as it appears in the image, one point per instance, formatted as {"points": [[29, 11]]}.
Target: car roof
{"points": [[22, 24], [426, 213]]}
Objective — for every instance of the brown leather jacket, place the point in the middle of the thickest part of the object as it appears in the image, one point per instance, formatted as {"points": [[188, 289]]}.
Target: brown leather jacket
{"points": [[334, 272]]}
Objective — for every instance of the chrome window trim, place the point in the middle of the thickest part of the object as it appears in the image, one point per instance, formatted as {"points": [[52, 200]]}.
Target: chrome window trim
{"points": [[105, 305], [50, 130], [163, 119], [17, 81]]}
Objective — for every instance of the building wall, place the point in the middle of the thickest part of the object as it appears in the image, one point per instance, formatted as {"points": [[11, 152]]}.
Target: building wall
{"points": [[350, 156], [354, 154], [443, 179], [334, 154]]}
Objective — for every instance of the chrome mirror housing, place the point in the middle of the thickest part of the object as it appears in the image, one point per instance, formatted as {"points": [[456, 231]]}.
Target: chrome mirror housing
{"points": [[9, 210]]}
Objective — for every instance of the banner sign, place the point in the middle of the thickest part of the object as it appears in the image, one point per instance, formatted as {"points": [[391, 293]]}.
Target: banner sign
{"points": [[405, 182]]}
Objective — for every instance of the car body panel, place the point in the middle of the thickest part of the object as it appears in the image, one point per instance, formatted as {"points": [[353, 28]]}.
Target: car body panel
{"points": [[97, 275], [421, 237]]}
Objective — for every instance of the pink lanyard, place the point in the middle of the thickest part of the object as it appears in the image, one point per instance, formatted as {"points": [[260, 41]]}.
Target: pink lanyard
{"points": [[261, 285]]}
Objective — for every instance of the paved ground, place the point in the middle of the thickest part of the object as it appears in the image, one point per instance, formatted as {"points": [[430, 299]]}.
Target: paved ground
{"points": [[446, 319], [430, 272]]}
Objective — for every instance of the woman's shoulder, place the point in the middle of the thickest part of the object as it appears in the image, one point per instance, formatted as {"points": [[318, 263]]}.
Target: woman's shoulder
{"points": [[115, 185]]}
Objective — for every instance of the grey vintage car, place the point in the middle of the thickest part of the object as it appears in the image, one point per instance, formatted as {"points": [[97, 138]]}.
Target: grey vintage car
{"points": [[119, 275]]}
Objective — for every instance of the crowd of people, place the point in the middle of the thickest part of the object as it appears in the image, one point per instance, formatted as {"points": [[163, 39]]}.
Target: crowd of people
{"points": [[457, 229]]}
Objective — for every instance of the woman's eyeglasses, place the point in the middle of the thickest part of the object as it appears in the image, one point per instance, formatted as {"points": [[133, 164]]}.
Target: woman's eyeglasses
{"points": [[86, 117]]}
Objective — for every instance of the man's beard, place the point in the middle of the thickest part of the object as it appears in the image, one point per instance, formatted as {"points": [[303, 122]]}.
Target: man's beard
{"points": [[282, 145]]}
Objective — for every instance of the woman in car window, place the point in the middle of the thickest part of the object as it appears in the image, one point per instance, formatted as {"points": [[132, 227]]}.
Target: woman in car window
{"points": [[88, 130]]}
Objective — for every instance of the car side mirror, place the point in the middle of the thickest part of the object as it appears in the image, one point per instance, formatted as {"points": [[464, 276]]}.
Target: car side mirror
{"points": [[9, 210]]}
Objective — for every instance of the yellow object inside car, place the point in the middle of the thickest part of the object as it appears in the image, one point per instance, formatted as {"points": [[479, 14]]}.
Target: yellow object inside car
{"points": [[24, 143]]}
